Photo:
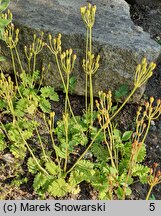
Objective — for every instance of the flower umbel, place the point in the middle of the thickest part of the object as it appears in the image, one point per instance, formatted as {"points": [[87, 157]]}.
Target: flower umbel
{"points": [[55, 44], [143, 72], [88, 15], [11, 36], [68, 61], [152, 112], [91, 65]]}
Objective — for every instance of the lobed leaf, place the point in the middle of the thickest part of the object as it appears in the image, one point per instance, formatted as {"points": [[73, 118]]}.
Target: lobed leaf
{"points": [[49, 92], [52, 168], [58, 187], [45, 105]]}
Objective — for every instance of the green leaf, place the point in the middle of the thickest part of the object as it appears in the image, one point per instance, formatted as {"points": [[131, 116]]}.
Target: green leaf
{"points": [[113, 171], [3, 5], [2, 58], [52, 168], [49, 92], [99, 151], [72, 83], [21, 107], [121, 92], [119, 192], [142, 153], [152, 197], [45, 105], [3, 144], [127, 135], [123, 179], [85, 165], [36, 75], [39, 181], [2, 104], [4, 23], [141, 171], [117, 134], [58, 188], [59, 152], [32, 108], [128, 191], [18, 150], [32, 166]]}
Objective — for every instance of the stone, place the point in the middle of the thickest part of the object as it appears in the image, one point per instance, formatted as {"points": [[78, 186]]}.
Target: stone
{"points": [[119, 42], [149, 2]]}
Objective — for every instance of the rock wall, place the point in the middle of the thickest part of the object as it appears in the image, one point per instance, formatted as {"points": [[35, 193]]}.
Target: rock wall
{"points": [[119, 42]]}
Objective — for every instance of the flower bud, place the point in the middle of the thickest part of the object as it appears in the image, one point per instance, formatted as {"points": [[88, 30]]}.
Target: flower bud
{"points": [[82, 10], [70, 51], [59, 36], [152, 66], [151, 100], [138, 68], [89, 6], [143, 61], [52, 114], [158, 173], [74, 57], [94, 9], [155, 165]]}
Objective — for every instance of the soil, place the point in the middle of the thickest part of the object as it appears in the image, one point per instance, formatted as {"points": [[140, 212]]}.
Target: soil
{"points": [[149, 18]]}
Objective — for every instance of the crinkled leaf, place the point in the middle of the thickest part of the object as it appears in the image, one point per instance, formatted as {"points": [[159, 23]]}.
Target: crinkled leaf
{"points": [[59, 152], [58, 188], [142, 153], [18, 150], [121, 92], [52, 168], [99, 151], [49, 92], [39, 181], [32, 166], [141, 171], [36, 75], [45, 105], [32, 108], [21, 107], [3, 144]]}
